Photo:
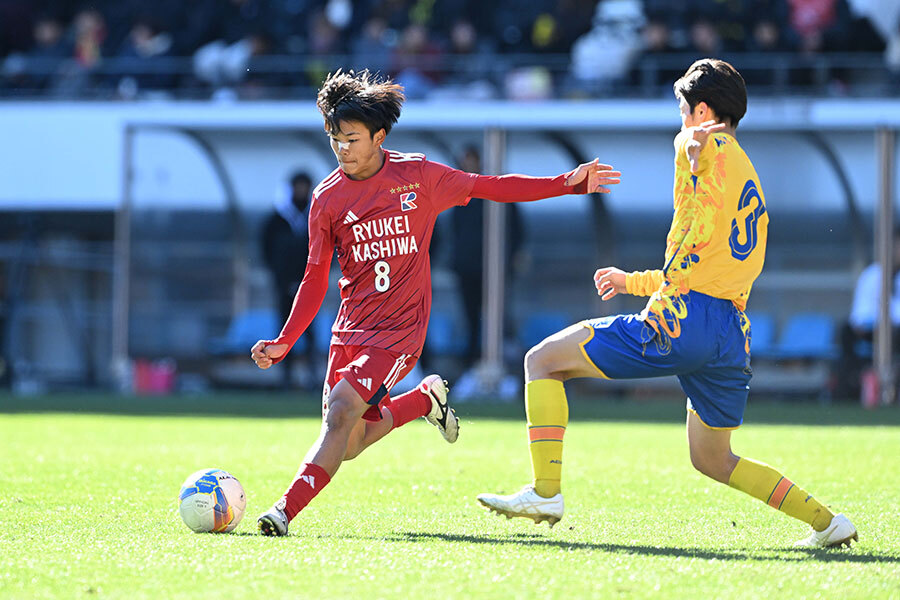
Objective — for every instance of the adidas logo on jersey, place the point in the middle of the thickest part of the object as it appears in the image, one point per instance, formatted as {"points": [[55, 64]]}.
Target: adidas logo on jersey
{"points": [[366, 382], [310, 480], [350, 218]]}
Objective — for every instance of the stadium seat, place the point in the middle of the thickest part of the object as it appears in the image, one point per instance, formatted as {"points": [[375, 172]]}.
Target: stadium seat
{"points": [[807, 335], [245, 329], [539, 325], [762, 331], [445, 337]]}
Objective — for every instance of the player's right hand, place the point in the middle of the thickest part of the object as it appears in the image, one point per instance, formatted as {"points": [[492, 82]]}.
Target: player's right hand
{"points": [[699, 135], [264, 352], [597, 175], [609, 282]]}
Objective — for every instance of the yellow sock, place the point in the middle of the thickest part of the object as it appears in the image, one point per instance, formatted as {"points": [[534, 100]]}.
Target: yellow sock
{"points": [[548, 414], [763, 482]]}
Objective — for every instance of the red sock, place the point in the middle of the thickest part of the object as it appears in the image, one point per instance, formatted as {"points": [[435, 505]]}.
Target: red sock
{"points": [[309, 481], [409, 407]]}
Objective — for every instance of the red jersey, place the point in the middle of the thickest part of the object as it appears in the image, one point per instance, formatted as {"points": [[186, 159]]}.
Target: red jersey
{"points": [[381, 228]]}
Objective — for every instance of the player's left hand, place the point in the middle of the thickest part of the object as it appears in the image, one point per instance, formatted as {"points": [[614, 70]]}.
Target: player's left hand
{"points": [[609, 282], [597, 176], [263, 352], [699, 135]]}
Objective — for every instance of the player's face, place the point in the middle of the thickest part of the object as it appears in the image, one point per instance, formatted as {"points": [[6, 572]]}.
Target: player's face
{"points": [[357, 151]]}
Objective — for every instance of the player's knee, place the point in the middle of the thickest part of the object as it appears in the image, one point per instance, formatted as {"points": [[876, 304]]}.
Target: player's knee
{"points": [[341, 414], [539, 362], [713, 466]]}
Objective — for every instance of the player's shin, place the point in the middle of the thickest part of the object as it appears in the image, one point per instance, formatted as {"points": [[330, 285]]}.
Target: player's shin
{"points": [[763, 482], [409, 407], [309, 481], [547, 411]]}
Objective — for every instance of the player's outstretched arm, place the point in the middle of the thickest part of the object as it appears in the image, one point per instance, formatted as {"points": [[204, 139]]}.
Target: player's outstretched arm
{"points": [[699, 136], [310, 295], [586, 178]]}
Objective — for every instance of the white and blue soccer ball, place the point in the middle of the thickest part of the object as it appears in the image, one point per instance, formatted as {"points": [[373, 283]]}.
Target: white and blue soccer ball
{"points": [[212, 500]]}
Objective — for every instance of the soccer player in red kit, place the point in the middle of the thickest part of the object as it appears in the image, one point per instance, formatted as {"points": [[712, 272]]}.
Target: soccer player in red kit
{"points": [[377, 212]]}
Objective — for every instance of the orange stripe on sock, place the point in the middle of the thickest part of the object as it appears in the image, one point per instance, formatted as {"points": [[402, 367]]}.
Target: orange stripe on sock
{"points": [[544, 433], [781, 489]]}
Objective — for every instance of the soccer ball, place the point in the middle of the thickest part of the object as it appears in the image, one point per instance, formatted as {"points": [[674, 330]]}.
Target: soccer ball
{"points": [[212, 500]]}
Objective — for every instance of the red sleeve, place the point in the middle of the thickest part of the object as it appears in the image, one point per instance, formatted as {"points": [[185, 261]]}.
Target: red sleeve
{"points": [[306, 304], [321, 239], [447, 187], [522, 188]]}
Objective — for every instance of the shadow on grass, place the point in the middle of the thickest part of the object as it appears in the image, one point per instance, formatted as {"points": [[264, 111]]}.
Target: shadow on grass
{"points": [[779, 554], [304, 404]]}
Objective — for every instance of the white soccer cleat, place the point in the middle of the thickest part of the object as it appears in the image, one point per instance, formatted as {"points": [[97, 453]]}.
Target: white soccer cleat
{"points": [[441, 415], [840, 532], [525, 503], [273, 522]]}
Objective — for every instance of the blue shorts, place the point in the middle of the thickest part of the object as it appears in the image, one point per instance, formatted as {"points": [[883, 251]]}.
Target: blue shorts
{"points": [[709, 356]]}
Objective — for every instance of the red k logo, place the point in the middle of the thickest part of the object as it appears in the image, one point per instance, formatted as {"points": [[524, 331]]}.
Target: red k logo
{"points": [[407, 201]]}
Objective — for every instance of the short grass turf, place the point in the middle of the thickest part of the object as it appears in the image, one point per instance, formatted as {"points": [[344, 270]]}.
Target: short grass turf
{"points": [[87, 506]]}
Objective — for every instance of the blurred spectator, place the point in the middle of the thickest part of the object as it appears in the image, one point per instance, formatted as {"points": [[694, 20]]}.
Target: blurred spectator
{"points": [[416, 62], [372, 48], [49, 50], [285, 250], [675, 15], [555, 30], [431, 46], [145, 42], [769, 36], [705, 39], [48, 38], [240, 35], [89, 29], [513, 23], [858, 333], [602, 57], [654, 74], [820, 24], [471, 64]]}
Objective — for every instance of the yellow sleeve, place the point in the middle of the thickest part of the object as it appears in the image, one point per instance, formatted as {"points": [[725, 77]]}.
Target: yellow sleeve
{"points": [[706, 153], [643, 283]]}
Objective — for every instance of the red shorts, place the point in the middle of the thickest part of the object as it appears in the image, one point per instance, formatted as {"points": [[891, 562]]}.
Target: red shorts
{"points": [[371, 371]]}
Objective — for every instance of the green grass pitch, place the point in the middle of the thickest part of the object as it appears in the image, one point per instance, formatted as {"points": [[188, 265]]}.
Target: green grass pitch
{"points": [[87, 505]]}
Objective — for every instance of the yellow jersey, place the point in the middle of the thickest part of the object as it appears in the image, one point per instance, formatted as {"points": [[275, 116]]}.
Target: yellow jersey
{"points": [[717, 242]]}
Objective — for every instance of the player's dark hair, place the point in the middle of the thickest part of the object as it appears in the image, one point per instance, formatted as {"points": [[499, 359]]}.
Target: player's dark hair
{"points": [[363, 97], [718, 84]]}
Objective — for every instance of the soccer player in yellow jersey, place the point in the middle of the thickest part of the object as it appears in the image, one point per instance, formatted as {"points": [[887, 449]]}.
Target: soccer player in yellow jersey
{"points": [[693, 326]]}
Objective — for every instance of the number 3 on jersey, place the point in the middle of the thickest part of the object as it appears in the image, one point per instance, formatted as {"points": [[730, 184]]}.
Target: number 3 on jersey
{"points": [[382, 276], [741, 250]]}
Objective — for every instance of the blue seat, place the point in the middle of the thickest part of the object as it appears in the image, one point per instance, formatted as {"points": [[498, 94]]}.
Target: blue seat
{"points": [[535, 327], [445, 337], [762, 332], [244, 330], [807, 335]]}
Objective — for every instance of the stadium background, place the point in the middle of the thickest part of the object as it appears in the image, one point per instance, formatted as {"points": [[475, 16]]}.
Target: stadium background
{"points": [[144, 143]]}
